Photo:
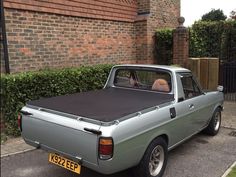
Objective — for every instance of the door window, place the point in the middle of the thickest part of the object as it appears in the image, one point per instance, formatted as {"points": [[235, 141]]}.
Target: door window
{"points": [[190, 87]]}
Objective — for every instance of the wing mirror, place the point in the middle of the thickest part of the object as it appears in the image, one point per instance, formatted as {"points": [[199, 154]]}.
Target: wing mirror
{"points": [[220, 88]]}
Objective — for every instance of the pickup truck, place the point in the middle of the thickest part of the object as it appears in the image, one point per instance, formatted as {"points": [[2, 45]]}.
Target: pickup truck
{"points": [[142, 112]]}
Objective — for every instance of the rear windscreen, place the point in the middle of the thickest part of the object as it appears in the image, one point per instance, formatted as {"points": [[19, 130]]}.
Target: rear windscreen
{"points": [[143, 79]]}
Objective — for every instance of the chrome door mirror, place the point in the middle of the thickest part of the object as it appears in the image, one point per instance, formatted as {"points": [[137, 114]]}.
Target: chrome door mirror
{"points": [[220, 88]]}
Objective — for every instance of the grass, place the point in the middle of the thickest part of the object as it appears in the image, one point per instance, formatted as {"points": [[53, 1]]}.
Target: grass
{"points": [[232, 173]]}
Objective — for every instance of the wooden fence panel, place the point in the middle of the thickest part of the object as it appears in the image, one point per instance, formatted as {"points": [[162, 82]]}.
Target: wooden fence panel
{"points": [[206, 70]]}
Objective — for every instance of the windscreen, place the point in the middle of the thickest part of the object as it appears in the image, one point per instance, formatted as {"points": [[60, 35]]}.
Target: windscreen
{"points": [[152, 80]]}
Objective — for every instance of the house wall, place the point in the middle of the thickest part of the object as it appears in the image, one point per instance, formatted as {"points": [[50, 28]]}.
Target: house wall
{"points": [[69, 33], [40, 40], [143, 6]]}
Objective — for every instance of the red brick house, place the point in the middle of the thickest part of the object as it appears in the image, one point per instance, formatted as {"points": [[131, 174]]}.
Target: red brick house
{"points": [[65, 33]]}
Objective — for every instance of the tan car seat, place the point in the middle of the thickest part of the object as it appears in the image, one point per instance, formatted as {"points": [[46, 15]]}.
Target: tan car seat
{"points": [[161, 85]]}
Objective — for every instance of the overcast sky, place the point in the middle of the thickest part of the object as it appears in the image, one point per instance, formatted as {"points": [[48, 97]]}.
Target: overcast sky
{"points": [[193, 10]]}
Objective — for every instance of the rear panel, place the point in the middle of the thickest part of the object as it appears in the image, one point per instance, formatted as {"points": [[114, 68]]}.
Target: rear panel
{"points": [[61, 134]]}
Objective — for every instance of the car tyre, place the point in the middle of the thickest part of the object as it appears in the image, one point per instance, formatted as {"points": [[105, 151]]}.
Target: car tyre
{"points": [[154, 161], [214, 125]]}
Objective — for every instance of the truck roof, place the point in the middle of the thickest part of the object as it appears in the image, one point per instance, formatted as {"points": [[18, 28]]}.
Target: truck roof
{"points": [[172, 68]]}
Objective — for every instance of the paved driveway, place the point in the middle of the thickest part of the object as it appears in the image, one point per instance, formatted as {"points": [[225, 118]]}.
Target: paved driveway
{"points": [[202, 156]]}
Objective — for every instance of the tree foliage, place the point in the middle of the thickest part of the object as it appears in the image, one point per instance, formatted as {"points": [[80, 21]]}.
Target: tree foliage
{"points": [[233, 14], [214, 15]]}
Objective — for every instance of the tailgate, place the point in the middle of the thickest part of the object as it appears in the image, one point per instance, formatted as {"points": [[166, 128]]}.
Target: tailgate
{"points": [[62, 134]]}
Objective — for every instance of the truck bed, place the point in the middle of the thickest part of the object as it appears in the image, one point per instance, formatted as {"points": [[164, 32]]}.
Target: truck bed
{"points": [[104, 105]]}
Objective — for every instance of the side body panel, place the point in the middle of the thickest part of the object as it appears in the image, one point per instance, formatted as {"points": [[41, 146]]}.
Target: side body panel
{"points": [[132, 137]]}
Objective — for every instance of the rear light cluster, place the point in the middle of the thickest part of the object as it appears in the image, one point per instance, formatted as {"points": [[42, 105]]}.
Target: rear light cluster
{"points": [[106, 147], [19, 121]]}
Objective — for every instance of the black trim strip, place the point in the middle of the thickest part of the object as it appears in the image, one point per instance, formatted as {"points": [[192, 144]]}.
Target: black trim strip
{"points": [[97, 132], [4, 40], [26, 113]]}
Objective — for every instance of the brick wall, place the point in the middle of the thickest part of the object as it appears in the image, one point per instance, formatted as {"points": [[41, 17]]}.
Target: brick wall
{"points": [[143, 6], [163, 13], [181, 46], [39, 40], [63, 33], [141, 40]]}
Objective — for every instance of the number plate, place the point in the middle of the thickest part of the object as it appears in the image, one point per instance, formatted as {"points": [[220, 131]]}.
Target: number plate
{"points": [[65, 163]]}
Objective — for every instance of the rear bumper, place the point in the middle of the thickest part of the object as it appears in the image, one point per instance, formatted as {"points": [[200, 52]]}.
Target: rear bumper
{"points": [[79, 160], [104, 166]]}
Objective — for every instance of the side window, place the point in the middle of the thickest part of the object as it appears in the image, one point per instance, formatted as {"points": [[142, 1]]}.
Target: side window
{"points": [[122, 78], [190, 87]]}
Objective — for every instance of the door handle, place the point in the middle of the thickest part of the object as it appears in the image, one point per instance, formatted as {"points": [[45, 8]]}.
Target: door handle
{"points": [[191, 106]]}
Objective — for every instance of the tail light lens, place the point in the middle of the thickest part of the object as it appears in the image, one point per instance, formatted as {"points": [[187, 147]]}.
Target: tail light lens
{"points": [[19, 121], [105, 148]]}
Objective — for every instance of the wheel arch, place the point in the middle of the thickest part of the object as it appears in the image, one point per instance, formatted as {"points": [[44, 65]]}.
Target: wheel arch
{"points": [[141, 165], [217, 106], [221, 107], [210, 129], [164, 136]]}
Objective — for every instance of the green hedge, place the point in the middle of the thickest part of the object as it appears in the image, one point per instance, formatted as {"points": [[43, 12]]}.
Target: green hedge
{"points": [[17, 89], [228, 41], [163, 46], [205, 38]]}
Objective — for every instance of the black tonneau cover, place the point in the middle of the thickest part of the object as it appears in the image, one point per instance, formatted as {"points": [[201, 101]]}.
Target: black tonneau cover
{"points": [[104, 105]]}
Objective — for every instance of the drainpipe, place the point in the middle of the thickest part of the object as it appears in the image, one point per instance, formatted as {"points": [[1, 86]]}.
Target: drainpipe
{"points": [[4, 38]]}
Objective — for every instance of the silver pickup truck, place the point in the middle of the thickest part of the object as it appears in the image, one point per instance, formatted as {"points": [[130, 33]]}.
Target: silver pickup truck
{"points": [[142, 112]]}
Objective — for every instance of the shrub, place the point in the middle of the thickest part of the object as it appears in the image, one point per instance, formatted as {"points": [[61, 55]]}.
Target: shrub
{"points": [[17, 89], [228, 41], [205, 39], [163, 46]]}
